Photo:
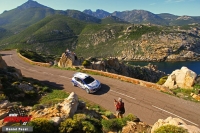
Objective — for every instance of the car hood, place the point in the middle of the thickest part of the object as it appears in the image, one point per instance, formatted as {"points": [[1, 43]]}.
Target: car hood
{"points": [[94, 84]]}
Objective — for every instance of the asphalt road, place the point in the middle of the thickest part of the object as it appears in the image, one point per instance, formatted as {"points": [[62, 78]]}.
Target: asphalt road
{"points": [[147, 104]]}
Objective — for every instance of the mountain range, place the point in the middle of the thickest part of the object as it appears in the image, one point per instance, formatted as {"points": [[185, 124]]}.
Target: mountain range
{"points": [[43, 29]]}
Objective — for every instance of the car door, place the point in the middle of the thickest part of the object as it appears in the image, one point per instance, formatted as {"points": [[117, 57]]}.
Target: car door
{"points": [[80, 83]]}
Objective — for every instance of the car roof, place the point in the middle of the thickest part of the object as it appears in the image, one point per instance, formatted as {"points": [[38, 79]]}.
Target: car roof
{"points": [[81, 75]]}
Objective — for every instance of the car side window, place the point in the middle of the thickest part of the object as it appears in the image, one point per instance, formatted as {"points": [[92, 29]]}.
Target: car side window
{"points": [[79, 80], [76, 78]]}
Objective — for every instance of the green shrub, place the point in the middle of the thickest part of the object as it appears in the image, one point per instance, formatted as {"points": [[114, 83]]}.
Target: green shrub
{"points": [[130, 117], [86, 63], [88, 127], [162, 80], [116, 124], [54, 97], [42, 125], [170, 129], [46, 89], [80, 123], [37, 107], [2, 97], [31, 94], [108, 114]]}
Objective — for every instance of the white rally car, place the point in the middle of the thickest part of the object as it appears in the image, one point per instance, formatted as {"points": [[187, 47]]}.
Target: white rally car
{"points": [[86, 82]]}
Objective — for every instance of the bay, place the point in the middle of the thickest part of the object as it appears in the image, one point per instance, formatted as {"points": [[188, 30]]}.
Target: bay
{"points": [[169, 67]]}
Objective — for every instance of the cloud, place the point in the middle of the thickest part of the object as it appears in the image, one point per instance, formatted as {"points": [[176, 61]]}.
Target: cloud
{"points": [[173, 1], [152, 4]]}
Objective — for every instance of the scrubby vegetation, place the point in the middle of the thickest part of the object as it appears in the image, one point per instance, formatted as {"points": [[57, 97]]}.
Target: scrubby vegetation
{"points": [[162, 80], [186, 93], [37, 57], [170, 129], [81, 123], [116, 125], [43, 125], [86, 63]]}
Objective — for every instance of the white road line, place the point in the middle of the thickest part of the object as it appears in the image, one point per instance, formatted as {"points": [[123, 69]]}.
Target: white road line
{"points": [[51, 74], [33, 70], [13, 61], [23, 67], [175, 115], [45, 72], [64, 77], [123, 94]]}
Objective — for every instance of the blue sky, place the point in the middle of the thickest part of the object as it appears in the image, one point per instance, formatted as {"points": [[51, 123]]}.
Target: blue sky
{"points": [[176, 7]]}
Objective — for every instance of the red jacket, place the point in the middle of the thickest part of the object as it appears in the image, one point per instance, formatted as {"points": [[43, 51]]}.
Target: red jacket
{"points": [[119, 105]]}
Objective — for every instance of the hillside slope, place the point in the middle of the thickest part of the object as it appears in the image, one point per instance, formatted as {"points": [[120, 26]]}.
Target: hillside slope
{"points": [[51, 35]]}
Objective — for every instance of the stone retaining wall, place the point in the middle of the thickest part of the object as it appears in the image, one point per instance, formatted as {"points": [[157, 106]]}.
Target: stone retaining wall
{"points": [[129, 79], [33, 62]]}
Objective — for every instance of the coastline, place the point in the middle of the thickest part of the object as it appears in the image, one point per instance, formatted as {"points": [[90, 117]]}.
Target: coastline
{"points": [[169, 67]]}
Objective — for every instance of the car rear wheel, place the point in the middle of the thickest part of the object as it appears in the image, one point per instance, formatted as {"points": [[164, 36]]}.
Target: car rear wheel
{"points": [[87, 90], [73, 84]]}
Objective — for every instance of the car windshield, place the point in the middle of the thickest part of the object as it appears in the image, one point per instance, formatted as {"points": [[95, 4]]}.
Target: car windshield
{"points": [[88, 80]]}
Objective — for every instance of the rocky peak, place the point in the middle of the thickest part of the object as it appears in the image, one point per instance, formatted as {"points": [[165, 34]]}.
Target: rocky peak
{"points": [[31, 4], [99, 13], [184, 17]]}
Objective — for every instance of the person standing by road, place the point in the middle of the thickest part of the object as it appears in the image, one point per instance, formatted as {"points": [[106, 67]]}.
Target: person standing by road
{"points": [[120, 110]]}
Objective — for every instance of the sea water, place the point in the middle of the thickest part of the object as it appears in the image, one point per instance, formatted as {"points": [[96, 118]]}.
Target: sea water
{"points": [[169, 67]]}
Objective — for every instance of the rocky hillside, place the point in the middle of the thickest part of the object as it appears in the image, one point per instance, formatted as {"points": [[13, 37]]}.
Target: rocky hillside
{"points": [[141, 42], [148, 73]]}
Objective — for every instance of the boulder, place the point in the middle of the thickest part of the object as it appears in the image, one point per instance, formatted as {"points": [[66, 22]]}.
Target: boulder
{"points": [[16, 73], [56, 120], [62, 110], [195, 96], [136, 127], [5, 104], [3, 113], [197, 81], [66, 61], [69, 60], [70, 104], [183, 78], [176, 122], [25, 87], [99, 65], [113, 65]]}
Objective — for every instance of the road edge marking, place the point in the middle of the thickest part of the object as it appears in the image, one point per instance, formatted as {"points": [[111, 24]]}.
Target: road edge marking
{"points": [[174, 115], [124, 95]]}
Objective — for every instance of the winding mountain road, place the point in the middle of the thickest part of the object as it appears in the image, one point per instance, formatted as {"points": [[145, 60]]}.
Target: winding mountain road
{"points": [[147, 104]]}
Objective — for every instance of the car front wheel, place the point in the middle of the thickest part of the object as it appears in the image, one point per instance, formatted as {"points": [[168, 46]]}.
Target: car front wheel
{"points": [[87, 90]]}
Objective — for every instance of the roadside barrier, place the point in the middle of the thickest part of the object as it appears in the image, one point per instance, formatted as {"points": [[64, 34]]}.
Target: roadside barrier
{"points": [[33, 62], [129, 79]]}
